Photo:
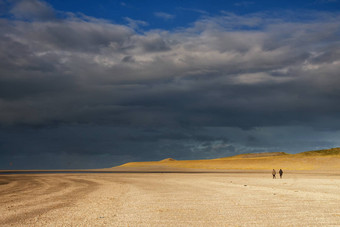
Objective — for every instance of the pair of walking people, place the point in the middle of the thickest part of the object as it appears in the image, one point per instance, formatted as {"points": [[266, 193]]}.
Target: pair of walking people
{"points": [[274, 173]]}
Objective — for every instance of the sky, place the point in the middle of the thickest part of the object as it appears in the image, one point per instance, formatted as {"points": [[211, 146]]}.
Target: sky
{"points": [[95, 84]]}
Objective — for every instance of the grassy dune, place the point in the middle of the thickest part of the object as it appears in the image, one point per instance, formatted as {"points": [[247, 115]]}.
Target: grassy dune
{"points": [[311, 160]]}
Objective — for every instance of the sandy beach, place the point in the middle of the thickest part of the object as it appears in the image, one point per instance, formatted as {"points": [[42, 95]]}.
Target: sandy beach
{"points": [[170, 199]]}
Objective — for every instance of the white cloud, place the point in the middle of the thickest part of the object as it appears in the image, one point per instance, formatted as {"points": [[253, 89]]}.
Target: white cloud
{"points": [[257, 78], [244, 3], [33, 9], [135, 24], [165, 16]]}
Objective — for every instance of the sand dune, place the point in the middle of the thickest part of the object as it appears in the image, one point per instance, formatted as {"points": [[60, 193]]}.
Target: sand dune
{"points": [[170, 199], [326, 160]]}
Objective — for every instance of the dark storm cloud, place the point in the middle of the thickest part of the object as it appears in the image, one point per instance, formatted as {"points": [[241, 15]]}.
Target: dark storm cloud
{"points": [[216, 73], [92, 146], [72, 146], [82, 92]]}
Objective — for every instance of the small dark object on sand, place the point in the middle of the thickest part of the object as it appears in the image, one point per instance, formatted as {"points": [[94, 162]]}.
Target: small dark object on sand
{"points": [[280, 172], [274, 173]]}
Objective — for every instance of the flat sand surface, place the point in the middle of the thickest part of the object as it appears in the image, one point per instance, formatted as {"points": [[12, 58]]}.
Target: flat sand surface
{"points": [[170, 199]]}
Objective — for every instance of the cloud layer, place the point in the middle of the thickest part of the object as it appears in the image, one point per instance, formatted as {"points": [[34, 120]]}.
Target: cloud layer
{"points": [[228, 70]]}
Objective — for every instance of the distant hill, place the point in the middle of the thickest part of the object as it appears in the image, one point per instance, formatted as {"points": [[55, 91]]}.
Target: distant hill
{"points": [[332, 151], [258, 155], [168, 160], [328, 159]]}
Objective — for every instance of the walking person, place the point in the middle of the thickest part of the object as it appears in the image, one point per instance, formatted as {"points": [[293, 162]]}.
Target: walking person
{"points": [[274, 173], [281, 172]]}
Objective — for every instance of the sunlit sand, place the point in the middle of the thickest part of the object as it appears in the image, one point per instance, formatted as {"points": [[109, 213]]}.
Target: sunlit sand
{"points": [[170, 199], [167, 196]]}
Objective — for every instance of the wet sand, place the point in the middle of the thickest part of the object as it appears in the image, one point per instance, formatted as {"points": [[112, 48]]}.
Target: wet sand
{"points": [[170, 199]]}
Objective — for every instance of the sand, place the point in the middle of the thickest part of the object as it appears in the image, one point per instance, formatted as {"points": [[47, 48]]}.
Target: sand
{"points": [[170, 199]]}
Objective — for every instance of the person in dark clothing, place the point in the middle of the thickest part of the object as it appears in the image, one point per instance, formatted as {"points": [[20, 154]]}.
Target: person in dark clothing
{"points": [[274, 173], [280, 172]]}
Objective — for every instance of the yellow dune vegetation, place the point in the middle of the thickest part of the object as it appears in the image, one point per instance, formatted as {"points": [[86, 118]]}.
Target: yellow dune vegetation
{"points": [[328, 159]]}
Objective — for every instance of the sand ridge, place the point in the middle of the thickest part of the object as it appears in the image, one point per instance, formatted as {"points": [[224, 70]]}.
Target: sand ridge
{"points": [[27, 196], [321, 160]]}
